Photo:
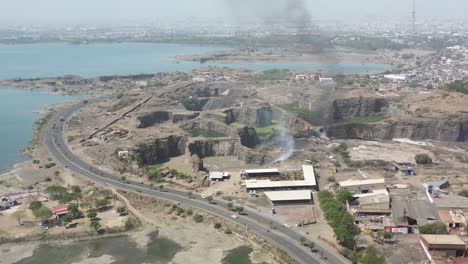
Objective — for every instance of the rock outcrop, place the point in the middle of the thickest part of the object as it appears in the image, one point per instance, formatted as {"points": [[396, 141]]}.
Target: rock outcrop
{"points": [[257, 115], [150, 119], [213, 147], [159, 150], [184, 116], [360, 107], [248, 136], [412, 128]]}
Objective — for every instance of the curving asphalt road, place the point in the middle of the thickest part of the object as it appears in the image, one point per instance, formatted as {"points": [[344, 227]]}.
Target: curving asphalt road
{"points": [[283, 237]]}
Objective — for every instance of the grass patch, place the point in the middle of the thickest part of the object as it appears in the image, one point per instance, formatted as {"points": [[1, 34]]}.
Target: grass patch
{"points": [[267, 129], [301, 112], [272, 75], [237, 125], [206, 133], [365, 119], [457, 86]]}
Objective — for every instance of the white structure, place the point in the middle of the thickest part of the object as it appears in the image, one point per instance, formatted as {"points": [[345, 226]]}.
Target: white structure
{"points": [[399, 77], [362, 186], [6, 203], [325, 79], [125, 154], [218, 175], [298, 196], [199, 79], [308, 183]]}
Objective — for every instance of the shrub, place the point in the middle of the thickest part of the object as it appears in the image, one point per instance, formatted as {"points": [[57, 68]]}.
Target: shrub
{"points": [[49, 165], [423, 159], [47, 179], [189, 212], [35, 205], [463, 193], [434, 228], [227, 231], [198, 218], [217, 225]]}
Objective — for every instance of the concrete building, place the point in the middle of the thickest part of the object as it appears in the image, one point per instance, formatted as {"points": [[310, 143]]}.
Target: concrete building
{"points": [[290, 197], [309, 182], [6, 203], [260, 173], [442, 246], [405, 168], [454, 220], [362, 186], [218, 175]]}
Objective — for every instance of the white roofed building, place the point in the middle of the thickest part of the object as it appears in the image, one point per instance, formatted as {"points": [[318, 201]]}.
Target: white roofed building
{"points": [[282, 197]]}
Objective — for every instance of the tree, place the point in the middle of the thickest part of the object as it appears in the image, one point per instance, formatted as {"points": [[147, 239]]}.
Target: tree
{"points": [[121, 210], [76, 189], [198, 218], [434, 228], [463, 193], [230, 205], [239, 209], [217, 225], [388, 235], [372, 256], [94, 224], [74, 212], [344, 195], [102, 203], [18, 215], [35, 205], [56, 192], [302, 240], [43, 213], [210, 198], [92, 214], [423, 159]]}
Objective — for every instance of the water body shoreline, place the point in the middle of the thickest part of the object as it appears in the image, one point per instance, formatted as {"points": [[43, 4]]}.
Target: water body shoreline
{"points": [[45, 60]]}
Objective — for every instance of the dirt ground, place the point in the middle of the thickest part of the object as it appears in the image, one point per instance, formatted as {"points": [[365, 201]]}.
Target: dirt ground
{"points": [[192, 236]]}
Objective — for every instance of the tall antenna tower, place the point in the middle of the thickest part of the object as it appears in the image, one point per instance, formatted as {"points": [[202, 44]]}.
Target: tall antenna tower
{"points": [[413, 22]]}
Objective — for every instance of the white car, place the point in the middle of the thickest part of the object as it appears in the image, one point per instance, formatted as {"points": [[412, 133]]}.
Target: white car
{"points": [[234, 216]]}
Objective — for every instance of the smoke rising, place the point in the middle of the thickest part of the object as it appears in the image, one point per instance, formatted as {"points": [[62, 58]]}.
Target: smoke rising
{"points": [[286, 141], [292, 13]]}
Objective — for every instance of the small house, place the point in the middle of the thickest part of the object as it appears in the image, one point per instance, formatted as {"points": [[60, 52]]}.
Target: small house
{"points": [[6, 203], [60, 210], [218, 175], [405, 168]]}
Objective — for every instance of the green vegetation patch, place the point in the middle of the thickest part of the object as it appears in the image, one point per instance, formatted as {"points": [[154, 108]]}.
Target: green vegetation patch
{"points": [[206, 133], [457, 86], [267, 129], [272, 75], [434, 228], [338, 218], [301, 112], [237, 125], [365, 119]]}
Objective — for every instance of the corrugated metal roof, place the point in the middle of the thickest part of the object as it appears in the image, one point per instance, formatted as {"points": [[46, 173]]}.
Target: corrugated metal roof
{"points": [[289, 195], [360, 182], [255, 171], [443, 239]]}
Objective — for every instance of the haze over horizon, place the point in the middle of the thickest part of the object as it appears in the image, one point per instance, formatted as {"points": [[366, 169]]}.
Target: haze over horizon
{"points": [[122, 11]]}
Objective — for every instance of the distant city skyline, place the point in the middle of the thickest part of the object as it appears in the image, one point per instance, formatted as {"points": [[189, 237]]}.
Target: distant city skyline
{"points": [[121, 11]]}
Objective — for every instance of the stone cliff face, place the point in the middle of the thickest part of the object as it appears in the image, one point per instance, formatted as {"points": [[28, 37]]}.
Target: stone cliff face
{"points": [[159, 150], [182, 117], [248, 136], [152, 118], [259, 115], [412, 128], [360, 107], [210, 147], [211, 125]]}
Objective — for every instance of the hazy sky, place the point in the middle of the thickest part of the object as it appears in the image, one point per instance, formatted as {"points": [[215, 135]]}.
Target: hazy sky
{"points": [[83, 11]]}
